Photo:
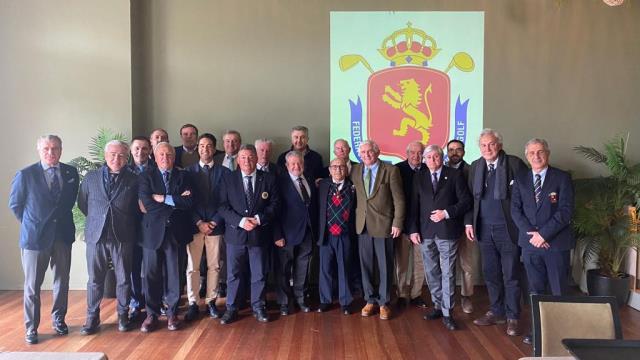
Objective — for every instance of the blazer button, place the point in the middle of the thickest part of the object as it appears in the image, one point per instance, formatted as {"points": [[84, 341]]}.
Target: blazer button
{"points": [[55, 220]]}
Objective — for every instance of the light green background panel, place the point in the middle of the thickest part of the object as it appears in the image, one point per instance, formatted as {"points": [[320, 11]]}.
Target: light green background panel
{"points": [[363, 33]]}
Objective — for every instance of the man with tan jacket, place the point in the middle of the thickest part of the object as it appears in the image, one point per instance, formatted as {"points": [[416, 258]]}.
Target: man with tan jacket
{"points": [[379, 217]]}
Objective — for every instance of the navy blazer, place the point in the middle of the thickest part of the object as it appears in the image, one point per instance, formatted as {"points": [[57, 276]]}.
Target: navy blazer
{"points": [[552, 217], [452, 195], [161, 217], [295, 217], [42, 218], [233, 208], [207, 211], [407, 173], [323, 193], [95, 204]]}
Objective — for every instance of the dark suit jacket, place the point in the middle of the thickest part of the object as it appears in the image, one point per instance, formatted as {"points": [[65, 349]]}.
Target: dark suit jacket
{"points": [[42, 218], [207, 211], [294, 217], [552, 218], [313, 166], [514, 164], [123, 208], [452, 195], [161, 217], [323, 193], [407, 185], [386, 206], [266, 203], [275, 170]]}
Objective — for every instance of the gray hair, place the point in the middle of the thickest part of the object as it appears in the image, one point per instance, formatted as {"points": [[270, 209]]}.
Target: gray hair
{"points": [[304, 129], [48, 137], [263, 141], [342, 140], [416, 142], [232, 132], [248, 147], [374, 146], [294, 153], [432, 148], [120, 143], [543, 142], [164, 144], [488, 131]]}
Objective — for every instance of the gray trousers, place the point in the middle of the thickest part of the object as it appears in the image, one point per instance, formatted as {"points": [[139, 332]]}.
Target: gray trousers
{"points": [[376, 254], [98, 265], [34, 265], [439, 258]]}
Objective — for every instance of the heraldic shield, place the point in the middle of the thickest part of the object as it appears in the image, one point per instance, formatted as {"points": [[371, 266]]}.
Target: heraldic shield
{"points": [[408, 103]]}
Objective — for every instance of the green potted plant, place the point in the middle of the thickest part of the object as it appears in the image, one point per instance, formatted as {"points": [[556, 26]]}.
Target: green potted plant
{"points": [[84, 165], [604, 221]]}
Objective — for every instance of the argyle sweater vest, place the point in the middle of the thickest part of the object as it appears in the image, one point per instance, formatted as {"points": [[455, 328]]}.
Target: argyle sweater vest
{"points": [[338, 208]]}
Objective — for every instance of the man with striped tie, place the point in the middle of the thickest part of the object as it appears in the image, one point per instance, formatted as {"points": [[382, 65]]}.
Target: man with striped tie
{"points": [[542, 208]]}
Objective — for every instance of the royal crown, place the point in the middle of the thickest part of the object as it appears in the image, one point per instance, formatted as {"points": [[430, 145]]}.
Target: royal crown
{"points": [[409, 46]]}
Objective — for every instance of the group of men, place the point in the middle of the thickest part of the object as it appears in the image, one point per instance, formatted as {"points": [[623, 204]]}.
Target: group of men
{"points": [[223, 220]]}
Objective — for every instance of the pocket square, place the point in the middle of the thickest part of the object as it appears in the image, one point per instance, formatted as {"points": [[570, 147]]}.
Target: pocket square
{"points": [[511, 183]]}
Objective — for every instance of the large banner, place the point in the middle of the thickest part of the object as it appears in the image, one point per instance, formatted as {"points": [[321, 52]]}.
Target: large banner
{"points": [[398, 77]]}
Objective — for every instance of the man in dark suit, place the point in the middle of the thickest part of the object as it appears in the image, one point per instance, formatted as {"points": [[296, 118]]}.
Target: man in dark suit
{"points": [[490, 182], [166, 196], [109, 199], [379, 219], [42, 196], [208, 228], [467, 250], [249, 204], [187, 153], [336, 235], [313, 166], [297, 226], [409, 269], [139, 163], [440, 199], [264, 147], [542, 207]]}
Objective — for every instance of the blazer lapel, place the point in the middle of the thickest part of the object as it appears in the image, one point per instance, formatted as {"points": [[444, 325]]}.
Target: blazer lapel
{"points": [[382, 170], [442, 180]]}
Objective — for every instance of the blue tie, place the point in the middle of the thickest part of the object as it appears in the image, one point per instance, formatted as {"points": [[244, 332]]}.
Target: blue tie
{"points": [[55, 183], [166, 177], [537, 188]]}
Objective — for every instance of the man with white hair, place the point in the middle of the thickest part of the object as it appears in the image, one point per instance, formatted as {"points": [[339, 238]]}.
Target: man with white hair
{"points": [[440, 198], [109, 199], [41, 198]]}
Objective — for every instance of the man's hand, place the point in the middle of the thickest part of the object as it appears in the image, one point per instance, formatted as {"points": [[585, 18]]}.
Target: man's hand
{"points": [[206, 227], [158, 198], [249, 223], [437, 216], [280, 243], [468, 230], [395, 232], [537, 240], [415, 238], [141, 206], [186, 193]]}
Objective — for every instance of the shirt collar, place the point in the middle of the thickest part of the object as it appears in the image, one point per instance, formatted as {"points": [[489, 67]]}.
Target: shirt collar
{"points": [[295, 178], [203, 164], [253, 174], [542, 173], [46, 167]]}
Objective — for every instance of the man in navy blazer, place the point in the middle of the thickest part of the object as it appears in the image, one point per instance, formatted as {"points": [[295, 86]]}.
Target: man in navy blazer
{"points": [[109, 199], [297, 225], [166, 196], [542, 207], [42, 196], [249, 204], [208, 228], [440, 199]]}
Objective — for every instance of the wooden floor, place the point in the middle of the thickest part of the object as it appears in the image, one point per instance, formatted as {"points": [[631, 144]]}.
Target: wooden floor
{"points": [[328, 335]]}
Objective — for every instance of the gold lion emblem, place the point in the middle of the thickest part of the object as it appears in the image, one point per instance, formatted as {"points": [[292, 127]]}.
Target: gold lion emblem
{"points": [[408, 102]]}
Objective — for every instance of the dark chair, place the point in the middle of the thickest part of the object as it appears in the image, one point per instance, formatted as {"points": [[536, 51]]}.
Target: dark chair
{"points": [[580, 317]]}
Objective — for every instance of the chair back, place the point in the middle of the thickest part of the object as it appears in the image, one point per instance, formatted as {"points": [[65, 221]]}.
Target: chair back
{"points": [[579, 317]]}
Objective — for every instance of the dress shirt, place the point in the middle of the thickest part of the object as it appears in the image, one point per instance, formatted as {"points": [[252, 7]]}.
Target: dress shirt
{"points": [[264, 167], [542, 174], [47, 174], [227, 161], [297, 185], [374, 172], [203, 164], [244, 186]]}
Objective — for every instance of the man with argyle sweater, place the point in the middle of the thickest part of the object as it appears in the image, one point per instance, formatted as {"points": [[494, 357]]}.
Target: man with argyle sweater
{"points": [[336, 231]]}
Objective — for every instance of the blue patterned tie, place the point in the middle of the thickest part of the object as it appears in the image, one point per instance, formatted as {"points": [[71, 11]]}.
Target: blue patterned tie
{"points": [[248, 191], [166, 177], [434, 182], [55, 183], [537, 188]]}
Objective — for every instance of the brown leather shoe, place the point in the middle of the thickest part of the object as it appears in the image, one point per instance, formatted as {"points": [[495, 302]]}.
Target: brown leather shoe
{"points": [[173, 323], [149, 324], [489, 319], [466, 304], [385, 312], [368, 310], [512, 327]]}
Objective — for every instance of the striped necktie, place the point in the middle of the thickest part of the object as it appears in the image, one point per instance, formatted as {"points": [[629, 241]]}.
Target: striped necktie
{"points": [[537, 188]]}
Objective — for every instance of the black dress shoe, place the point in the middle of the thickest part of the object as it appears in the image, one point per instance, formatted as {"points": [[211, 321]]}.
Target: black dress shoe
{"points": [[303, 307], [61, 328], [433, 314], [401, 302], [324, 307], [449, 323], [89, 328], [123, 322], [261, 315], [419, 302], [345, 310], [192, 312], [528, 339], [149, 324], [228, 317], [31, 337], [222, 290], [173, 323], [134, 314], [213, 310], [284, 310]]}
